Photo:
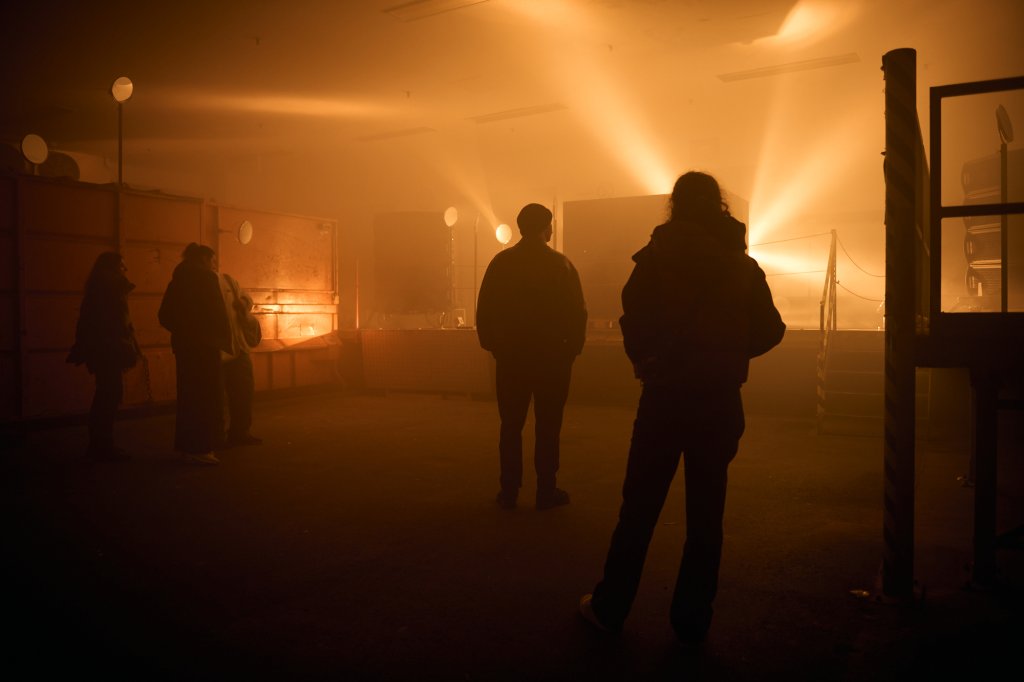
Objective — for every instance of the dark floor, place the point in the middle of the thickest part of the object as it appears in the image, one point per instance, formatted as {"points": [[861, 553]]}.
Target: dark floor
{"points": [[361, 541]]}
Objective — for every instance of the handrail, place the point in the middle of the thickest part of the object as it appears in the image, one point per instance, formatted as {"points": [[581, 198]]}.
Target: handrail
{"points": [[827, 325]]}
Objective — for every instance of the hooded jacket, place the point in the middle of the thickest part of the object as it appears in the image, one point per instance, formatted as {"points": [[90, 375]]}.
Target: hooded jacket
{"points": [[193, 310], [104, 335], [696, 307]]}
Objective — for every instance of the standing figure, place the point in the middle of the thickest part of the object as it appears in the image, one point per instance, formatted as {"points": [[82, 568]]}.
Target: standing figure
{"points": [[696, 308], [193, 311], [532, 318], [239, 386], [105, 342]]}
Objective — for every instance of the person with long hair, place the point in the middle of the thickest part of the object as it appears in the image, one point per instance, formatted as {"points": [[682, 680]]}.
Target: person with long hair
{"points": [[696, 309], [193, 311], [105, 343]]}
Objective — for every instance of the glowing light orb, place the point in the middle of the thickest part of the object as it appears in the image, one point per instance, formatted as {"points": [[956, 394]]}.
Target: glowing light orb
{"points": [[122, 89], [503, 233], [451, 216]]}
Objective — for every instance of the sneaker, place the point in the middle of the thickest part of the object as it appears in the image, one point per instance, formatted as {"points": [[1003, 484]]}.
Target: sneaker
{"points": [[205, 458], [556, 497], [506, 500], [587, 611]]}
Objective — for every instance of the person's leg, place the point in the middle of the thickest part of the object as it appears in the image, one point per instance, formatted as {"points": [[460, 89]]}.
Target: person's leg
{"points": [[109, 391], [199, 427], [653, 458], [552, 390], [513, 392], [710, 446], [239, 390]]}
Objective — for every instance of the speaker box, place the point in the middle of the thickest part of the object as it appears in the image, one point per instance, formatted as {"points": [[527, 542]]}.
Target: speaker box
{"points": [[412, 262]]}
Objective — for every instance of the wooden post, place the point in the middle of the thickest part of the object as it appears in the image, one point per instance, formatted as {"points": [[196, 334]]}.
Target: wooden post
{"points": [[902, 178]]}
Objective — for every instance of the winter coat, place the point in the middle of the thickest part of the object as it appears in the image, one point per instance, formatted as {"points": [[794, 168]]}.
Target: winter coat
{"points": [[531, 304], [104, 335], [696, 308], [193, 310]]}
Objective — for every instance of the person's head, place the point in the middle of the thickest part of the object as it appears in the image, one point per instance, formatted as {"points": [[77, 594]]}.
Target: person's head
{"points": [[201, 255], [697, 197], [534, 221], [107, 264]]}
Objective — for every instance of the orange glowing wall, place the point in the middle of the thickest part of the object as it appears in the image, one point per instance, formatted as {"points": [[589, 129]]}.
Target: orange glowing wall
{"points": [[52, 231]]}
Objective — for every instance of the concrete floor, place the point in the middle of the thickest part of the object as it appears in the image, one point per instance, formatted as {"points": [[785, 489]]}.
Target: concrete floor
{"points": [[361, 541]]}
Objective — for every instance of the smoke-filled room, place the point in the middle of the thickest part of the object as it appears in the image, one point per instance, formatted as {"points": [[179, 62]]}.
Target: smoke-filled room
{"points": [[512, 340]]}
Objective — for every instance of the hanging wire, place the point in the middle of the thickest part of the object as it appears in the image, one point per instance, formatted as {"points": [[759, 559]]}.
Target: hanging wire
{"points": [[875, 300], [843, 246], [785, 274], [791, 239]]}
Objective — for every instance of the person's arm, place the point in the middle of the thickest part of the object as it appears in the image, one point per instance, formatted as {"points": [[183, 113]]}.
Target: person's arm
{"points": [[486, 314], [640, 314], [577, 312], [766, 325]]}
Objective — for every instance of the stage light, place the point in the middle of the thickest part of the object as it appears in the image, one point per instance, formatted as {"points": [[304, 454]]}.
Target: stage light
{"points": [[451, 216], [34, 149], [503, 233], [1004, 124], [245, 232], [122, 89]]}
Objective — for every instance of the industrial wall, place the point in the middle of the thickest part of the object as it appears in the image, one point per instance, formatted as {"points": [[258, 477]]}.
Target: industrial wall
{"points": [[52, 231]]}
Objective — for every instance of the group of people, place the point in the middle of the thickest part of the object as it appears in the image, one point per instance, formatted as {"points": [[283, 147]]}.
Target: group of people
{"points": [[695, 310], [213, 332]]}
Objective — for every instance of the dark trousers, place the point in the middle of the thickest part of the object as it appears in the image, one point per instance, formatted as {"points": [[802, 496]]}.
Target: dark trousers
{"points": [[705, 428], [239, 389], [199, 423], [518, 380], [109, 391]]}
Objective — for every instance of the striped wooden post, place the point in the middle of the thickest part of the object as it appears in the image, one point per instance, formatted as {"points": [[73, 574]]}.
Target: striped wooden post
{"points": [[903, 177]]}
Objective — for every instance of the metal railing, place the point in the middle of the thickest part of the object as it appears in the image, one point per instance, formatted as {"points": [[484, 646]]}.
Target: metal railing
{"points": [[827, 325]]}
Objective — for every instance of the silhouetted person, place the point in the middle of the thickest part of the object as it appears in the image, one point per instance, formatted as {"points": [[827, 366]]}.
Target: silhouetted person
{"points": [[239, 386], [696, 308], [193, 311], [531, 317], [105, 342]]}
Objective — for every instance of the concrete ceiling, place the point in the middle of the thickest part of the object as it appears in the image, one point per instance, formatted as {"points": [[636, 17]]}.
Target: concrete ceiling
{"points": [[344, 109]]}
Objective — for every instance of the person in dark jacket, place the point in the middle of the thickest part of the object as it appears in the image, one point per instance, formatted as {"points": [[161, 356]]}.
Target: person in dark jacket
{"points": [[239, 383], [696, 309], [531, 316], [105, 343], [193, 311]]}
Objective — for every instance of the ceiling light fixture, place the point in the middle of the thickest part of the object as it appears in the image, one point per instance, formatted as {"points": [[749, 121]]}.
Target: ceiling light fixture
{"points": [[405, 132], [420, 9], [518, 113], [805, 65]]}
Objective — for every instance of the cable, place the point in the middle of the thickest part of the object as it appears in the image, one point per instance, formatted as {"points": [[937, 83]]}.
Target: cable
{"points": [[875, 300], [843, 246], [791, 239], [783, 274]]}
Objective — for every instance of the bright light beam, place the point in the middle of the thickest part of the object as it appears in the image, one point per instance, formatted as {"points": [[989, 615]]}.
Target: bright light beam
{"points": [[606, 110], [272, 104]]}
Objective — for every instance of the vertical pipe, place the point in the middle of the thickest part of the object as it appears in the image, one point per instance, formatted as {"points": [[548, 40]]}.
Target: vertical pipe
{"points": [[476, 224], [357, 294], [121, 144], [902, 177], [1004, 237]]}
